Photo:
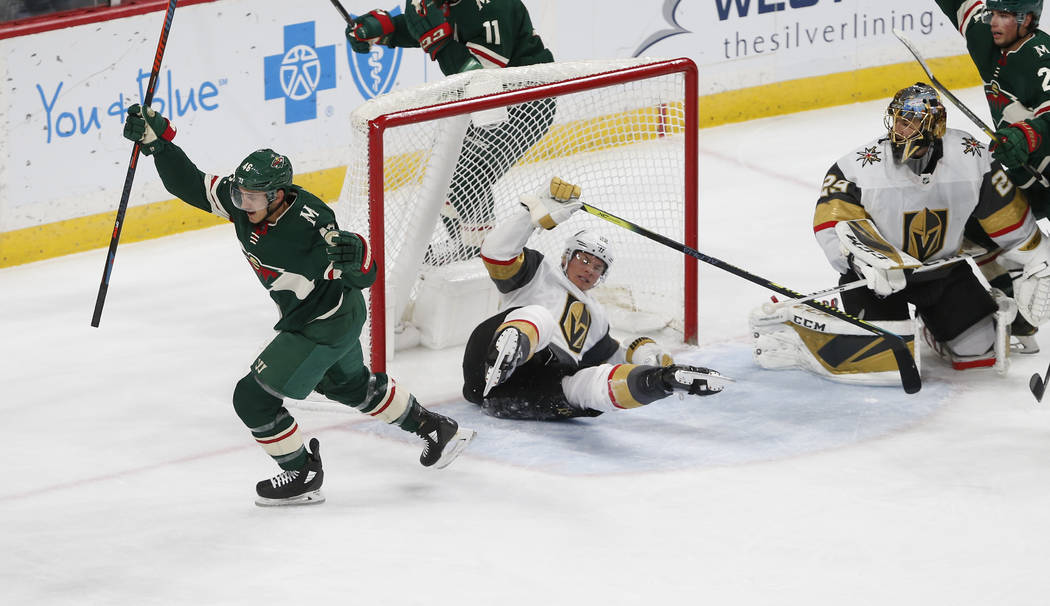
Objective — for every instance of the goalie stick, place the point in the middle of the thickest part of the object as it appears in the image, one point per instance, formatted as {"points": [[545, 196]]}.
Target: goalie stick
{"points": [[910, 379], [122, 208], [771, 307], [959, 104]]}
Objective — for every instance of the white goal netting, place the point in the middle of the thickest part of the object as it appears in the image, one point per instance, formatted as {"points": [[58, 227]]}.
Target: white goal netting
{"points": [[434, 169]]}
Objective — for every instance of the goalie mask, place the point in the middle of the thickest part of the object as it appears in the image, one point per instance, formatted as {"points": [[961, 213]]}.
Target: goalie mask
{"points": [[588, 242], [1020, 9], [914, 119], [256, 181]]}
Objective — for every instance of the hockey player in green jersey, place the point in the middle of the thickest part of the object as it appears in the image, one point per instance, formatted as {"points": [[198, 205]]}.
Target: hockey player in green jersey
{"points": [[464, 35], [314, 273], [1013, 58]]}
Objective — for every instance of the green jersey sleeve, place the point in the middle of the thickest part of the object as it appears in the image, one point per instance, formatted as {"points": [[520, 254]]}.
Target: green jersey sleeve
{"points": [[184, 180]]}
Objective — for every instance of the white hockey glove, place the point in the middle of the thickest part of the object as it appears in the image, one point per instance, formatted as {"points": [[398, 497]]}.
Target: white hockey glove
{"points": [[551, 206], [644, 350], [880, 263]]}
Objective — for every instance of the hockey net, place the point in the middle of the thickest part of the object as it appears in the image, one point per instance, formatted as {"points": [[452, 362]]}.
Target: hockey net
{"points": [[436, 166]]}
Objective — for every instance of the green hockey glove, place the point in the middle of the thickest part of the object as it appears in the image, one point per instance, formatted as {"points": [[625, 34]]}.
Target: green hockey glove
{"points": [[347, 252], [427, 22], [151, 131], [366, 30], [1012, 144]]}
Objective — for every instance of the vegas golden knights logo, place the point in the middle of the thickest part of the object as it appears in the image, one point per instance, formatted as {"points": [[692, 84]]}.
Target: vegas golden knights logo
{"points": [[575, 323], [924, 232]]}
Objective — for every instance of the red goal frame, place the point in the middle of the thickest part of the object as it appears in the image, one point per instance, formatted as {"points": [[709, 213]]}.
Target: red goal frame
{"points": [[378, 126]]}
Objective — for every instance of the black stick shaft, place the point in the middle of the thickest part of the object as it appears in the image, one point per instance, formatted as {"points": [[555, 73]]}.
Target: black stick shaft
{"points": [[122, 208], [342, 11], [959, 104], [910, 379]]}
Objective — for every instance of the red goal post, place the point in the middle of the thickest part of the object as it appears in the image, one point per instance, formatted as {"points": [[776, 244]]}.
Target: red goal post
{"points": [[629, 142]]}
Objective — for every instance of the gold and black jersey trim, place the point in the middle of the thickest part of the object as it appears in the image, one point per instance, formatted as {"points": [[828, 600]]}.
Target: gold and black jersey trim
{"points": [[839, 201], [513, 274]]}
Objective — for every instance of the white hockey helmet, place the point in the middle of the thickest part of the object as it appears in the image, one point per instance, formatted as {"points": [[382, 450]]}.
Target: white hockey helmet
{"points": [[589, 242]]}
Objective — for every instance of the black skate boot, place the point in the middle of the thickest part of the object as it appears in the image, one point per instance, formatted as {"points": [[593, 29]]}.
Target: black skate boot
{"points": [[444, 439], [296, 487], [509, 349], [693, 380], [1023, 334]]}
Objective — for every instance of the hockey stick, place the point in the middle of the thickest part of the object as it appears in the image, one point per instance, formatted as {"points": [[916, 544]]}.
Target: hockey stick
{"points": [[342, 11], [771, 307], [122, 208], [959, 104], [1038, 384], [910, 379]]}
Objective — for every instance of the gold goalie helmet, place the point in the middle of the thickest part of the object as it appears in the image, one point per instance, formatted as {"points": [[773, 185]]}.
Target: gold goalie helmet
{"points": [[914, 119]]}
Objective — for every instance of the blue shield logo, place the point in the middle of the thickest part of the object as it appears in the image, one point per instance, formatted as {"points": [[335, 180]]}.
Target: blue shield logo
{"points": [[375, 72]]}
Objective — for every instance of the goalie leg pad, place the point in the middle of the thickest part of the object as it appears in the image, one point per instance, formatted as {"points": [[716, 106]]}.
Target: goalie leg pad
{"points": [[985, 344], [804, 338]]}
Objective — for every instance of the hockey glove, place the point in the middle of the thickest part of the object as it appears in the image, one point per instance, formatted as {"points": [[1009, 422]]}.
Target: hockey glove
{"points": [[644, 350], [348, 252], [883, 281], [873, 258], [151, 131], [427, 22], [366, 30], [554, 204], [1013, 144]]}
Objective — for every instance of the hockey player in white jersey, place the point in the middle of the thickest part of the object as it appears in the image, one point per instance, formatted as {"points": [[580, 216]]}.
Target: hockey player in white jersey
{"points": [[548, 354], [903, 200]]}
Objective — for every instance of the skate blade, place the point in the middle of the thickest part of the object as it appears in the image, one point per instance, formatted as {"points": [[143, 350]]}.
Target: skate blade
{"points": [[455, 446], [314, 497], [507, 345], [687, 376]]}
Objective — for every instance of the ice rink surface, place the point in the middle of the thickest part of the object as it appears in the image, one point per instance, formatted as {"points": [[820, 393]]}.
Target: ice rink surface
{"points": [[131, 478]]}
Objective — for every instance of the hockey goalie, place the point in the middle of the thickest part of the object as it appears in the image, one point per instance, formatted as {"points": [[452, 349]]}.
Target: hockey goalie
{"points": [[892, 215]]}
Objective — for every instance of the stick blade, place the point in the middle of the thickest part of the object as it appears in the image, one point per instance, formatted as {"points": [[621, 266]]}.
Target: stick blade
{"points": [[910, 379]]}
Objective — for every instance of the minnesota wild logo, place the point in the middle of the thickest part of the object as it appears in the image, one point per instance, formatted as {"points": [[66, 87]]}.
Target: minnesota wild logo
{"points": [[870, 155], [995, 96]]}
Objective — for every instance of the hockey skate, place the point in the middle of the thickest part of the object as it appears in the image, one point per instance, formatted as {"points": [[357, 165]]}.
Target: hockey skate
{"points": [[1022, 335], [694, 380], [296, 487], [509, 350], [444, 439]]}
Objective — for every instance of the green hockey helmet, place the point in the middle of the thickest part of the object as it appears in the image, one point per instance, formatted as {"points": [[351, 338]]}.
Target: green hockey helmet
{"points": [[258, 178], [914, 119], [1020, 8]]}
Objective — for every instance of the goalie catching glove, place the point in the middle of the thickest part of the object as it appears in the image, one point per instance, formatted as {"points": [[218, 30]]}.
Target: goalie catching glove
{"points": [[874, 259], [552, 205], [366, 30], [150, 129]]}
